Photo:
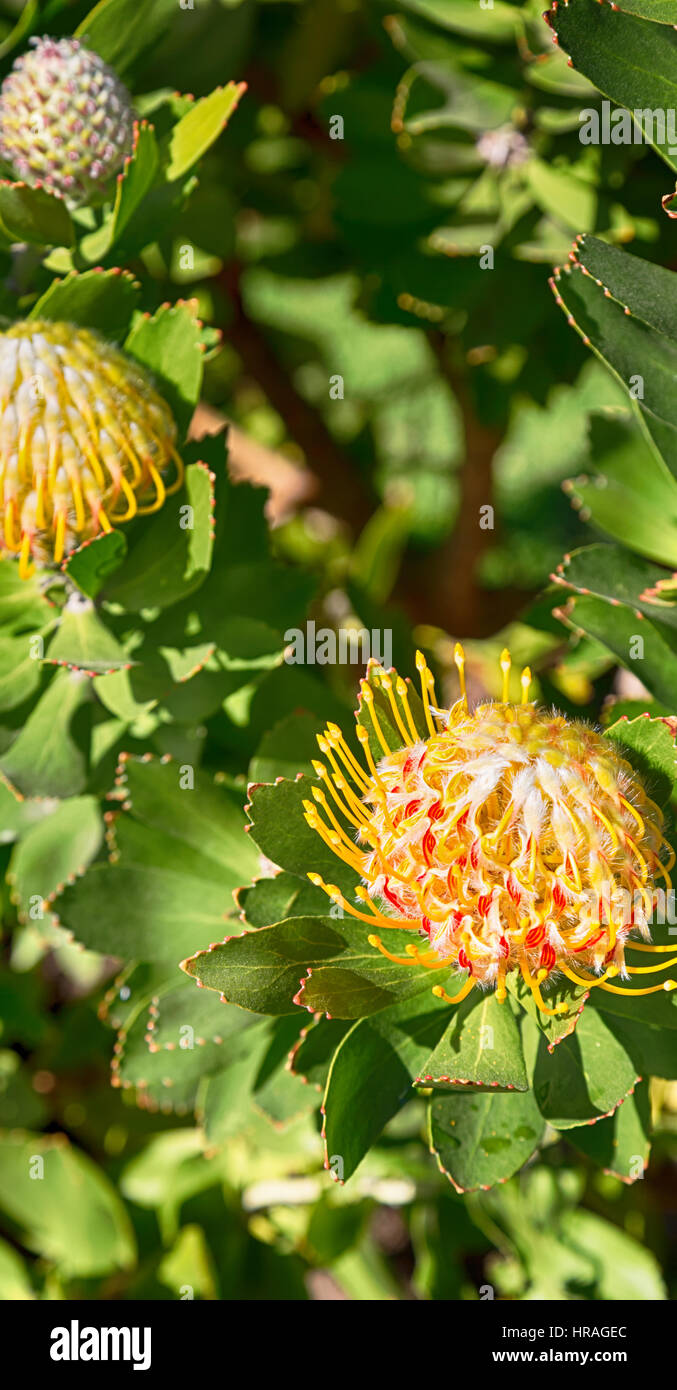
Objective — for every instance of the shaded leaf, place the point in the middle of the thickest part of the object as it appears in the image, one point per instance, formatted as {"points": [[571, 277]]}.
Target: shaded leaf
{"points": [[93, 563], [372, 1072], [103, 300], [48, 756], [57, 846], [82, 641], [119, 31], [169, 345], [172, 555], [34, 215], [68, 1211], [483, 1138], [620, 1144], [586, 1077], [480, 1046]]}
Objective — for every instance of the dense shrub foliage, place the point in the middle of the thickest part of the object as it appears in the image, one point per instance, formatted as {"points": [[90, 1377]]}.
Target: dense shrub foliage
{"points": [[334, 331]]}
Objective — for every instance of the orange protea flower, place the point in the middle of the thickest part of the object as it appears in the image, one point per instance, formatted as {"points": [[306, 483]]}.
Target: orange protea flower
{"points": [[84, 440], [510, 838]]}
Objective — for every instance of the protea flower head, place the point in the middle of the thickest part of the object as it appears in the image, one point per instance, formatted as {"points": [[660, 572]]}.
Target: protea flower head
{"points": [[66, 121], [84, 440], [506, 839]]}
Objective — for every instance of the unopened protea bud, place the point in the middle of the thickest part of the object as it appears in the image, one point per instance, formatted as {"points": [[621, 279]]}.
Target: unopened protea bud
{"points": [[85, 441], [506, 839], [66, 122]]}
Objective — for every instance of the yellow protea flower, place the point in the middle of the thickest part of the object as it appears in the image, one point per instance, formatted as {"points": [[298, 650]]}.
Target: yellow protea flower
{"points": [[85, 440], [508, 839]]}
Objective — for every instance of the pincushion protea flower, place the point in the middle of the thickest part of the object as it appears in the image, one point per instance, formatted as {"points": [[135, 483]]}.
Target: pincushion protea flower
{"points": [[66, 122], [508, 839], [84, 440]]}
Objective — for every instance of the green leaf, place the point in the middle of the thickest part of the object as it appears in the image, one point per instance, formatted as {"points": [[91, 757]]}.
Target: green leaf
{"points": [[496, 24], [119, 31], [48, 758], [226, 1105], [20, 671], [180, 853], [200, 127], [282, 834], [554, 1027], [65, 1206], [255, 1080], [18, 814], [312, 1056], [266, 593], [83, 642], [649, 745], [58, 846], [629, 59], [261, 970], [171, 1168], [372, 1072], [643, 287], [208, 817], [650, 1011], [15, 1284], [146, 912], [624, 311], [189, 1264], [652, 1047], [34, 215], [20, 1105], [103, 300], [271, 900], [22, 606], [620, 1144], [631, 494], [480, 1046], [23, 26], [173, 1040], [172, 554], [95, 561], [608, 572], [660, 11], [586, 1077], [617, 628], [625, 1269], [169, 345], [483, 1138], [134, 182], [277, 1093], [288, 748], [569, 200]]}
